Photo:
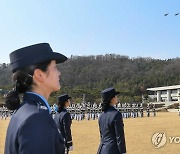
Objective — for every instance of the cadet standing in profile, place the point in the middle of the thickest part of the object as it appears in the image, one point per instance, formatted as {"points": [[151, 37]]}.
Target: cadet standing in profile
{"points": [[111, 125], [63, 121], [31, 129], [148, 110]]}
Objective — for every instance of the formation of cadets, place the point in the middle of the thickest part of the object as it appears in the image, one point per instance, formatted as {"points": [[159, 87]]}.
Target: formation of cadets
{"points": [[85, 111], [179, 109], [5, 113], [88, 111], [135, 110]]}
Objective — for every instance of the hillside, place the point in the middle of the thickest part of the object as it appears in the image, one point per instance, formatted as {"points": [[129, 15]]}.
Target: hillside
{"points": [[89, 75]]}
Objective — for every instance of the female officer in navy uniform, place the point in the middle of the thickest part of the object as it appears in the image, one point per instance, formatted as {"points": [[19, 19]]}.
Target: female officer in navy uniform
{"points": [[63, 121], [111, 125], [31, 129]]}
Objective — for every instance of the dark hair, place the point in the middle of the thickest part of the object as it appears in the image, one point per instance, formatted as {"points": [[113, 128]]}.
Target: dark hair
{"points": [[61, 106], [105, 104], [23, 82]]}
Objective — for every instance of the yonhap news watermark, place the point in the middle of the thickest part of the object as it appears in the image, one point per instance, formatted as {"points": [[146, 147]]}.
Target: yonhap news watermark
{"points": [[159, 139]]}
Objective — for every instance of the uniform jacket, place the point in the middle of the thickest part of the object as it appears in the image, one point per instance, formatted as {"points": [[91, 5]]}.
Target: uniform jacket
{"points": [[112, 132], [32, 130], [63, 122]]}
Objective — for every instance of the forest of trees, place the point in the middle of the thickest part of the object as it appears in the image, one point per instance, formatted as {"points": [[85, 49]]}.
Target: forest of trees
{"points": [[89, 75]]}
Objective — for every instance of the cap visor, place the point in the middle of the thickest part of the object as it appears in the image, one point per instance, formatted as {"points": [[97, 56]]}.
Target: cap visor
{"points": [[117, 93], [60, 58]]}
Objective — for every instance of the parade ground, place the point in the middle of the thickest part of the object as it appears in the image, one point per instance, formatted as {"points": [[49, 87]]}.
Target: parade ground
{"points": [[138, 134]]}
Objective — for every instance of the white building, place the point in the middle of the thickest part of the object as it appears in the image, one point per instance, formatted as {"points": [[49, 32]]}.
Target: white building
{"points": [[168, 95]]}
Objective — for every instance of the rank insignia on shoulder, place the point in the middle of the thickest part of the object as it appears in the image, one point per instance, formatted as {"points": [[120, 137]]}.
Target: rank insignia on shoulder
{"points": [[43, 107]]}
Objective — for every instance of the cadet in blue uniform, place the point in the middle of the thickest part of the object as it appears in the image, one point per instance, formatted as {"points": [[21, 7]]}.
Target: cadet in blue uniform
{"points": [[111, 125], [31, 129], [63, 121]]}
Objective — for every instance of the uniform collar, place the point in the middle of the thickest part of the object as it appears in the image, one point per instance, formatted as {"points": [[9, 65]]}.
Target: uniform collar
{"points": [[36, 97], [63, 109], [112, 107]]}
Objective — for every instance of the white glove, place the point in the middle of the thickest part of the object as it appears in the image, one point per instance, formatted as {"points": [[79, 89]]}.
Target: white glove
{"points": [[71, 148]]}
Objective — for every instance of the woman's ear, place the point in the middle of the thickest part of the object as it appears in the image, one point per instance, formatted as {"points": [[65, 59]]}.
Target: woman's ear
{"points": [[113, 100], [39, 75]]}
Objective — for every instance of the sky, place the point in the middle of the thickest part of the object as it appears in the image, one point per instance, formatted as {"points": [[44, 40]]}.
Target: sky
{"points": [[135, 28]]}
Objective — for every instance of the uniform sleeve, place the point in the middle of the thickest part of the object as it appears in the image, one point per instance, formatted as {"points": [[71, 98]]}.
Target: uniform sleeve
{"points": [[67, 129], [38, 135], [99, 127], [119, 130]]}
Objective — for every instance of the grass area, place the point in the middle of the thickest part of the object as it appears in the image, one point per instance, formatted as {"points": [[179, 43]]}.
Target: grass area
{"points": [[138, 134]]}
